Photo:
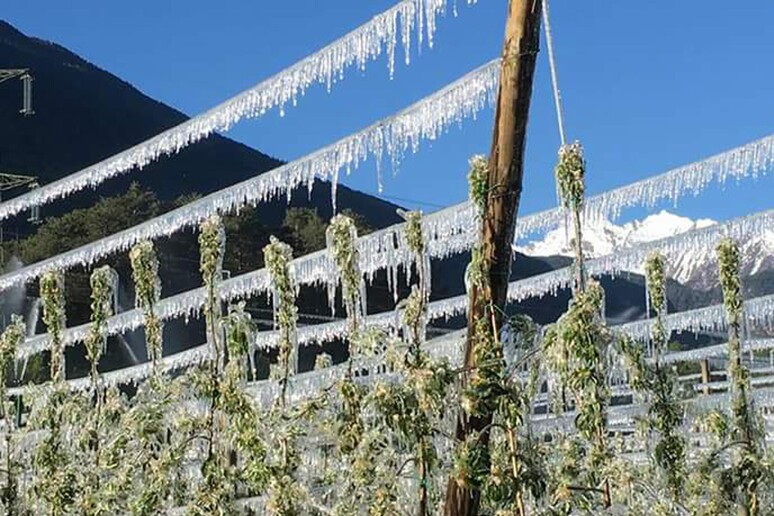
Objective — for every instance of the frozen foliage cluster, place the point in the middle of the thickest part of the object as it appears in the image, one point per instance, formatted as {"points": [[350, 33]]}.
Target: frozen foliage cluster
{"points": [[446, 232], [316, 440], [406, 20]]}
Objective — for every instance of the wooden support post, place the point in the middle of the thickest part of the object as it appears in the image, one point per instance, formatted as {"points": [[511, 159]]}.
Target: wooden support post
{"points": [[705, 376], [506, 163]]}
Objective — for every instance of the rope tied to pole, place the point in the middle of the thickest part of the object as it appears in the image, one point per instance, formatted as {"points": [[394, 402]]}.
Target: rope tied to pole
{"points": [[554, 76]]}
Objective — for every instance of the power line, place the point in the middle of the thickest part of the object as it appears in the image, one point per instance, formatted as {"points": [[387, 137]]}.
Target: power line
{"points": [[403, 199]]}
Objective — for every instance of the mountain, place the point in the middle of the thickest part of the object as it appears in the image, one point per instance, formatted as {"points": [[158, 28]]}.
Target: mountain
{"points": [[84, 114], [694, 268]]}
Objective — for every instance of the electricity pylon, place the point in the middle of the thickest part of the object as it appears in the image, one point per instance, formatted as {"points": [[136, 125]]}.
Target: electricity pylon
{"points": [[24, 75], [10, 181]]}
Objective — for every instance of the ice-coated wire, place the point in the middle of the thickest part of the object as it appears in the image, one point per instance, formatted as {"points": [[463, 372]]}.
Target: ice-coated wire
{"points": [[427, 119], [326, 66], [386, 248], [749, 160], [757, 312]]}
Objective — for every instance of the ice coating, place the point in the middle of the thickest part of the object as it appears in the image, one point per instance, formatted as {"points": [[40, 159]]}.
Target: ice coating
{"points": [[450, 347], [631, 259], [717, 350], [759, 312], [751, 159], [446, 231], [425, 120], [134, 374], [326, 66], [747, 161]]}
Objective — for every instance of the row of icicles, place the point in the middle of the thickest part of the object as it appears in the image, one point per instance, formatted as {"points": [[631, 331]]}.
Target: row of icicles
{"points": [[199, 443]]}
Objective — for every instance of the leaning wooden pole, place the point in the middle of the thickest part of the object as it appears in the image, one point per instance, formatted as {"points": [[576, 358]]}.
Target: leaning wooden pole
{"points": [[505, 173]]}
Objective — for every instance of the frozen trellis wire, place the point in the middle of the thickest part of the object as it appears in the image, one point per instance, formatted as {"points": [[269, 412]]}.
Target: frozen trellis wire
{"points": [[134, 374], [447, 230], [755, 381], [325, 66], [758, 312], [427, 119], [749, 160], [717, 350], [317, 269]]}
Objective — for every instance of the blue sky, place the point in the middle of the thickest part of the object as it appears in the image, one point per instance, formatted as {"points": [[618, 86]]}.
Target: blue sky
{"points": [[646, 85]]}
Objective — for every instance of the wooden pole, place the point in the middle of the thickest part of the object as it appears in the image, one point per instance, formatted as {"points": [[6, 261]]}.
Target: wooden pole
{"points": [[705, 376], [505, 173]]}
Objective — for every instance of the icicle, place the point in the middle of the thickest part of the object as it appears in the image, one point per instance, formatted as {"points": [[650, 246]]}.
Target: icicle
{"points": [[356, 48], [425, 120], [251, 359]]}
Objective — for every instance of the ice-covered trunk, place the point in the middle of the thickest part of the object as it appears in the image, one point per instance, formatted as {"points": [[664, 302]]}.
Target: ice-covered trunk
{"points": [[212, 242], [504, 185], [12, 336], [52, 293], [743, 418], [147, 286], [104, 283], [212, 245], [277, 257], [341, 238], [666, 410], [415, 309], [579, 342]]}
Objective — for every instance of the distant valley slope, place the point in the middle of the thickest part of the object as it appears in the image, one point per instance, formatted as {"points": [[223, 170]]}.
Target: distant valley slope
{"points": [[85, 114]]}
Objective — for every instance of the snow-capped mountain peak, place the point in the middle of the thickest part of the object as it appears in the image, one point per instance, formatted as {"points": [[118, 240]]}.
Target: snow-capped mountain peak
{"points": [[660, 225], [602, 237]]}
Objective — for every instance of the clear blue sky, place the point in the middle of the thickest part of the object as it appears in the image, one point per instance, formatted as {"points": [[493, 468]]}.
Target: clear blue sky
{"points": [[647, 85]]}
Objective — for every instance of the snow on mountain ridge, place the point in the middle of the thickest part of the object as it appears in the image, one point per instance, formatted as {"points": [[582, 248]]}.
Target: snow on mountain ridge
{"points": [[695, 267]]}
